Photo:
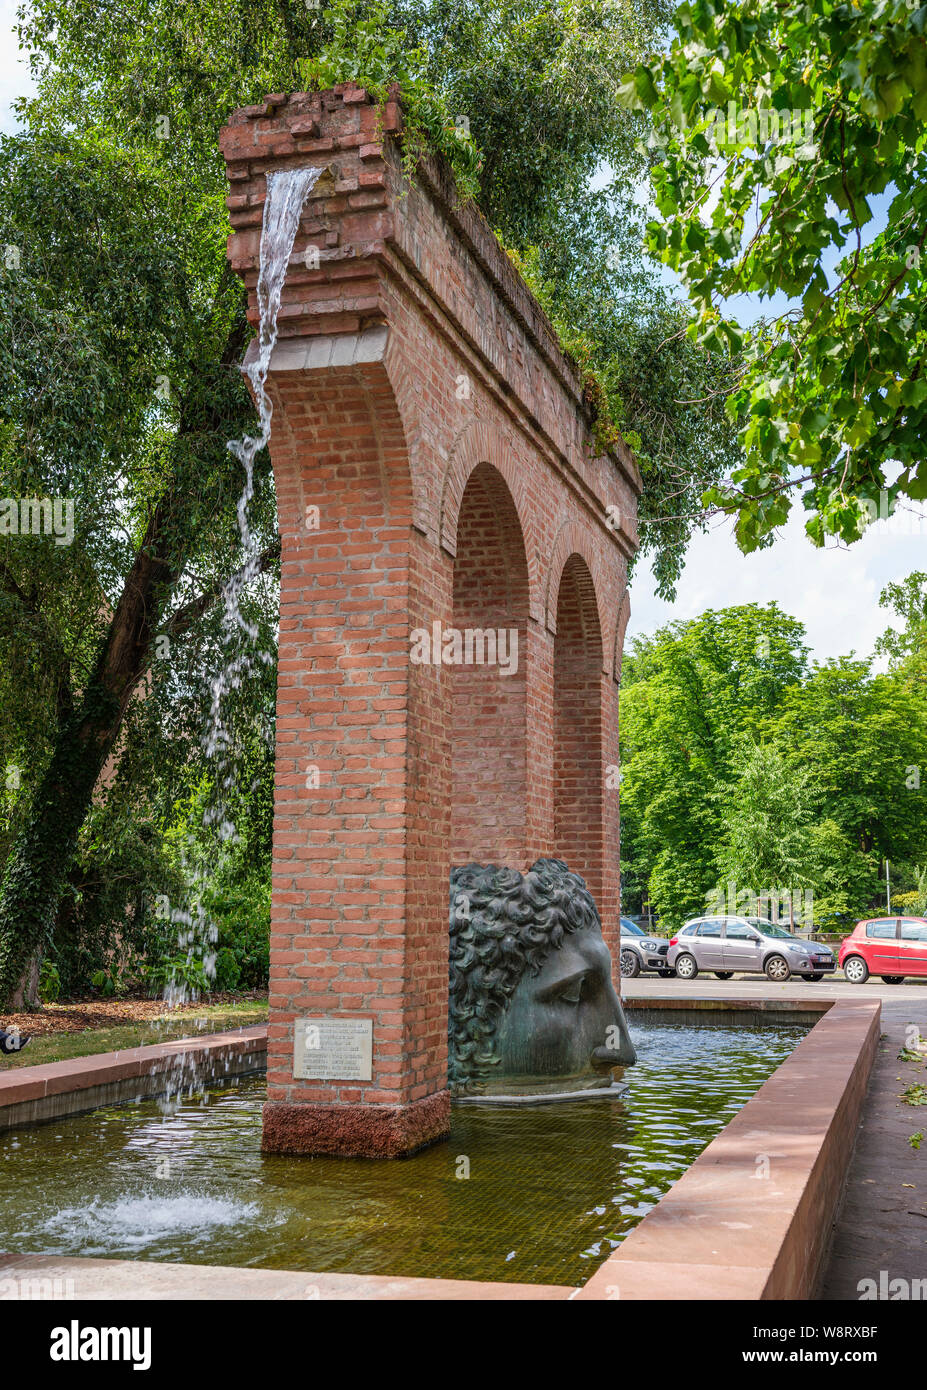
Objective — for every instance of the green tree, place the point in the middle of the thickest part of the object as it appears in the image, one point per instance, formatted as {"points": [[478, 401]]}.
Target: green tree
{"points": [[906, 648], [123, 329], [863, 736], [742, 763], [765, 844], [690, 696], [832, 398]]}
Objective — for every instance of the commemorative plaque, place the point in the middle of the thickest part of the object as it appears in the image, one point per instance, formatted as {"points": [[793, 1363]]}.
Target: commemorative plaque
{"points": [[333, 1049]]}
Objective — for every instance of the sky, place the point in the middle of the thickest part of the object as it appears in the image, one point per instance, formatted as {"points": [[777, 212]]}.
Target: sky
{"points": [[14, 74], [834, 591]]}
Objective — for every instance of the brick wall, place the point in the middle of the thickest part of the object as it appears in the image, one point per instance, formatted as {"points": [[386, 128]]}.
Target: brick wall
{"points": [[423, 408]]}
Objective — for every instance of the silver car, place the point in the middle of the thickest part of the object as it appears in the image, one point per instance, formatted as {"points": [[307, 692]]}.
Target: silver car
{"points": [[750, 945]]}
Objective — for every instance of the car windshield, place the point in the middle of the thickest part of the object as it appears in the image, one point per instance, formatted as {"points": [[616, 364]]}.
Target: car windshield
{"points": [[769, 928], [630, 928]]}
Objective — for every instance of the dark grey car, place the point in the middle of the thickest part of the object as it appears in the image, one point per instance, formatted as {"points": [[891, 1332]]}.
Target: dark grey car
{"points": [[640, 952], [749, 945]]}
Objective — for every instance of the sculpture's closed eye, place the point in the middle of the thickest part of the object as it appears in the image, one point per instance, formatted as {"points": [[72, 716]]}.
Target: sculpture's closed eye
{"points": [[572, 991]]}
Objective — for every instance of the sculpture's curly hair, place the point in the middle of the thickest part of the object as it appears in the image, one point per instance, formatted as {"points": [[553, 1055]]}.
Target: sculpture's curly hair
{"points": [[502, 924]]}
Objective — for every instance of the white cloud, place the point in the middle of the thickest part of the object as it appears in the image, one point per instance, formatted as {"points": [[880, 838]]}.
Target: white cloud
{"points": [[834, 591]]}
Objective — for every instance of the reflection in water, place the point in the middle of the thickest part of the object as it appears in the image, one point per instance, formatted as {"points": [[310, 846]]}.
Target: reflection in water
{"points": [[551, 1189]]}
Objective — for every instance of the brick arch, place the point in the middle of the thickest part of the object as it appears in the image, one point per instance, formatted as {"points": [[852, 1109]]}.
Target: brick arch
{"points": [[478, 444], [411, 290], [578, 724], [621, 627], [574, 540], [309, 465], [489, 704]]}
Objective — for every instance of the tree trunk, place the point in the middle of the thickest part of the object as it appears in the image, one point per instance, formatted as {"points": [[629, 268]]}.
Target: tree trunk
{"points": [[36, 871], [26, 993]]}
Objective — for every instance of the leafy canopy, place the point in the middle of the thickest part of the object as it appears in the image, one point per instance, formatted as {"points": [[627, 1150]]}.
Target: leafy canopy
{"points": [[776, 125], [740, 761]]}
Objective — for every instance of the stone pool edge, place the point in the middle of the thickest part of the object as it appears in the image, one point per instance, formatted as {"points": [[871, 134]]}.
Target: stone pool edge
{"points": [[750, 1219], [57, 1090]]}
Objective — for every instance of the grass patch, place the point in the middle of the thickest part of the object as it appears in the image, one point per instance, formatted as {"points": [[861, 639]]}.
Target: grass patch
{"points": [[211, 1018]]}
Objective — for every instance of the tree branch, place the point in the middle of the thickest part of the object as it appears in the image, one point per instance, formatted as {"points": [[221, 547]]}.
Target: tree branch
{"points": [[185, 616]]}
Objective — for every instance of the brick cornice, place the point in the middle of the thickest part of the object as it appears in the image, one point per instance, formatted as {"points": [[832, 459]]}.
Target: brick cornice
{"points": [[351, 216]]}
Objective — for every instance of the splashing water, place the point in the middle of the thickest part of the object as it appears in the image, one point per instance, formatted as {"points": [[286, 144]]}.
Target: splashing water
{"points": [[287, 190], [135, 1222]]}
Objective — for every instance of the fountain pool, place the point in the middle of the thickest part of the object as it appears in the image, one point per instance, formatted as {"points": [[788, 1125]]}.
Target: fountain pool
{"points": [[540, 1194]]}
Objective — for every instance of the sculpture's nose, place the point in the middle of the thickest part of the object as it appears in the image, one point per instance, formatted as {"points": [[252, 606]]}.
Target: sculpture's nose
{"points": [[606, 1057]]}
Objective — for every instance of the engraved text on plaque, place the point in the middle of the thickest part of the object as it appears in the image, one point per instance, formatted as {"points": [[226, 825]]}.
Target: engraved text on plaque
{"points": [[333, 1049]]}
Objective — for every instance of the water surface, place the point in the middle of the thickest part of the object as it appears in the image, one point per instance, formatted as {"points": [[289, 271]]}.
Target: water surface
{"points": [[539, 1194]]}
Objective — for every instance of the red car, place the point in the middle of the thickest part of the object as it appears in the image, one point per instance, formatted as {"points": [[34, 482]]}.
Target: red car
{"points": [[892, 947]]}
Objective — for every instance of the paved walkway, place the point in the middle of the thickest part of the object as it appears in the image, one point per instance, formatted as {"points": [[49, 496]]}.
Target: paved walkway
{"points": [[881, 1231], [758, 987]]}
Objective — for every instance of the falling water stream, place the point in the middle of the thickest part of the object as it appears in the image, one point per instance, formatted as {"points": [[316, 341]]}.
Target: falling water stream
{"points": [[287, 191]]}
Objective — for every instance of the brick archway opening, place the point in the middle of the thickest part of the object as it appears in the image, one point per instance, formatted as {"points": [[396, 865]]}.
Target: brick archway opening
{"points": [[578, 770], [489, 700]]}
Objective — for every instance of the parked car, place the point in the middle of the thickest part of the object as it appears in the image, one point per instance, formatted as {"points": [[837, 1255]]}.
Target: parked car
{"points": [[751, 945], [892, 947], [640, 952]]}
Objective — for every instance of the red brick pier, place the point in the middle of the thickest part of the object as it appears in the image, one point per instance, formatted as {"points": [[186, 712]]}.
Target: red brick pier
{"points": [[435, 476]]}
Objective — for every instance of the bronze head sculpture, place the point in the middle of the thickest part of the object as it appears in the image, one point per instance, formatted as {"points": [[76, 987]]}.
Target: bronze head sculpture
{"points": [[533, 1010]]}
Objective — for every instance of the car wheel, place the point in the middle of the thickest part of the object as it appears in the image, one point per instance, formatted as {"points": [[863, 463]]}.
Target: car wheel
{"points": [[667, 974], [856, 970], [630, 964], [893, 979], [724, 974], [813, 979], [777, 970], [686, 967]]}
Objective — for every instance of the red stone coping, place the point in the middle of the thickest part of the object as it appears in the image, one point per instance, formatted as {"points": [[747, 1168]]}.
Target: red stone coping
{"points": [[725, 1232], [26, 1084], [75, 1277]]}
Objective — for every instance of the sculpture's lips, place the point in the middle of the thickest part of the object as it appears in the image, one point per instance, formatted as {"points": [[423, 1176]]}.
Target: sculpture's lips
{"points": [[606, 1057]]}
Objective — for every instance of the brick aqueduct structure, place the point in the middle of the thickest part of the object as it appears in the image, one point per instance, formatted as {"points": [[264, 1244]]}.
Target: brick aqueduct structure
{"points": [[423, 407]]}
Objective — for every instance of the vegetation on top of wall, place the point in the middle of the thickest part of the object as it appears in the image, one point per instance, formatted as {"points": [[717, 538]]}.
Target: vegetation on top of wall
{"points": [[372, 54]]}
